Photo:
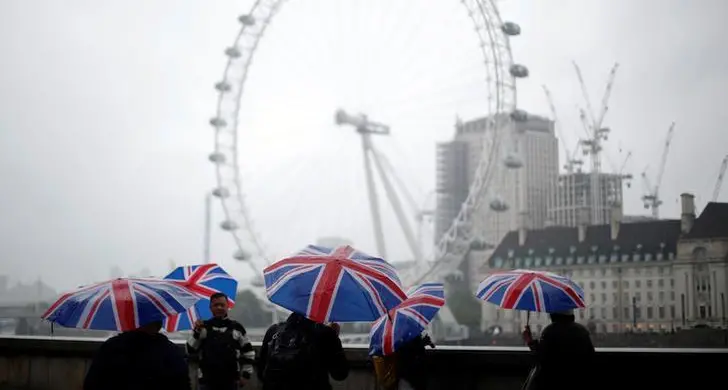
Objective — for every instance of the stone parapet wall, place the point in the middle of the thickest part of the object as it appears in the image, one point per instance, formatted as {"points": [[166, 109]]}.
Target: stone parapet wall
{"points": [[42, 363]]}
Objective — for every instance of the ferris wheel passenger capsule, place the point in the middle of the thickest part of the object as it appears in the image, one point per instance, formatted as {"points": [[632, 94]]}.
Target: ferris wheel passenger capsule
{"points": [[241, 255], [229, 225], [221, 192], [510, 28], [218, 122], [519, 115], [223, 86], [518, 70], [217, 158], [512, 161], [498, 205], [247, 20], [233, 52]]}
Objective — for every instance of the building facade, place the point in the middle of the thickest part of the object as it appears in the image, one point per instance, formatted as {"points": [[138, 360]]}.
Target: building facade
{"points": [[574, 192], [657, 275], [526, 190]]}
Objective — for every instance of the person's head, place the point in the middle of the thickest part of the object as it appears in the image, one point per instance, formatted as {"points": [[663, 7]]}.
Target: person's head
{"points": [[563, 316], [152, 327], [219, 305]]}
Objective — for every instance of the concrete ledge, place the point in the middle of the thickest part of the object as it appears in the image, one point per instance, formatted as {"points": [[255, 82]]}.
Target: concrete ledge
{"points": [[46, 363]]}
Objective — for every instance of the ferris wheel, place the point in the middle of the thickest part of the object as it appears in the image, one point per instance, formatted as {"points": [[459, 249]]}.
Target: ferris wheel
{"points": [[498, 158]]}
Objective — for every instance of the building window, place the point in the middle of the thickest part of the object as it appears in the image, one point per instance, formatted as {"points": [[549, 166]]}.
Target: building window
{"points": [[592, 259], [638, 296], [591, 313], [648, 256], [592, 298], [649, 296], [626, 312], [591, 285], [580, 260], [625, 258], [614, 284], [613, 258], [604, 285], [649, 283], [603, 312], [661, 283], [615, 312], [661, 312], [659, 257], [672, 311], [672, 283], [538, 262], [602, 259], [604, 298], [549, 260], [661, 296], [614, 297], [703, 313], [672, 295], [625, 284], [649, 312], [638, 283]]}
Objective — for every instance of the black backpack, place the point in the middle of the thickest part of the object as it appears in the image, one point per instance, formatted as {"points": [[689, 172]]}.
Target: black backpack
{"points": [[292, 356], [219, 353]]}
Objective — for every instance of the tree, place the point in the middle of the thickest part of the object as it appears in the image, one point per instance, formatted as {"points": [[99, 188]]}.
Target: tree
{"points": [[249, 311]]}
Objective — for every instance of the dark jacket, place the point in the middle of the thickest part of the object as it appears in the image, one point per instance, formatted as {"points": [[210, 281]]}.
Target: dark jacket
{"points": [[411, 362], [331, 359], [564, 355], [139, 361], [239, 339]]}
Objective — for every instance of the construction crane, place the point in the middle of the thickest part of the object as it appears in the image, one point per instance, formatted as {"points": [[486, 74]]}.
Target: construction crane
{"points": [[596, 134], [626, 176], [571, 161], [651, 198], [719, 182]]}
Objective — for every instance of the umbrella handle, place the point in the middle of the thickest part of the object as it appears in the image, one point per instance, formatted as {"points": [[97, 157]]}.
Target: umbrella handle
{"points": [[528, 317]]}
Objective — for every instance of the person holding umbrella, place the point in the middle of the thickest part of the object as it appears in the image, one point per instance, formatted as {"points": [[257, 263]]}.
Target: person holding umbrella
{"points": [[321, 286], [139, 357], [564, 354], [565, 350]]}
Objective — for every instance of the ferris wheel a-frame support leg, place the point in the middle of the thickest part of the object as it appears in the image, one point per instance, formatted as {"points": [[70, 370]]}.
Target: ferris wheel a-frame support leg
{"points": [[366, 145]]}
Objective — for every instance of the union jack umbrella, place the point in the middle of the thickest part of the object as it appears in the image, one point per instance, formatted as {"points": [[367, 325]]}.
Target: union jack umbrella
{"points": [[531, 291], [120, 304], [334, 284], [406, 321], [203, 280]]}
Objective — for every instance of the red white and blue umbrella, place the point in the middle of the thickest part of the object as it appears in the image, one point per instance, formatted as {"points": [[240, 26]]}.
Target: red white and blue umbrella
{"points": [[203, 280], [532, 291], [334, 284], [406, 321], [120, 304]]}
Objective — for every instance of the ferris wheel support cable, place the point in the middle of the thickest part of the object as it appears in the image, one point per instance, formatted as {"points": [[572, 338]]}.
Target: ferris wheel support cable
{"points": [[397, 206]]}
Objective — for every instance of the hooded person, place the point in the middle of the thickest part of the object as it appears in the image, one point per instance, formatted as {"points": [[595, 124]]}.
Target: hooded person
{"points": [[141, 359], [564, 350]]}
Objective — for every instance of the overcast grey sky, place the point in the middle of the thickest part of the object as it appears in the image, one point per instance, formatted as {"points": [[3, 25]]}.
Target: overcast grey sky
{"points": [[104, 108]]}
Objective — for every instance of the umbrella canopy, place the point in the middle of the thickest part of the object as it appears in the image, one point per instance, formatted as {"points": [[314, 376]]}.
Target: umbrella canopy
{"points": [[203, 280], [120, 304], [532, 291], [406, 321], [334, 284]]}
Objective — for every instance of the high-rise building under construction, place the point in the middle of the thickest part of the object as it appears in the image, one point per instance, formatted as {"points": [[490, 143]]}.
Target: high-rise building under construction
{"points": [[527, 190]]}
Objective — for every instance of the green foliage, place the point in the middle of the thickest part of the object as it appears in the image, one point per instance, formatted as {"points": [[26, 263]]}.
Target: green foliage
{"points": [[464, 306], [249, 311]]}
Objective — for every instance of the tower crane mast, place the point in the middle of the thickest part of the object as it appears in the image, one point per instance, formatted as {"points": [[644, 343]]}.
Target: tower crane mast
{"points": [[651, 198], [719, 182], [596, 135], [571, 161]]}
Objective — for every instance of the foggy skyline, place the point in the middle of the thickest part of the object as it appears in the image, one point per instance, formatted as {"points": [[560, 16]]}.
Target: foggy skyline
{"points": [[104, 136]]}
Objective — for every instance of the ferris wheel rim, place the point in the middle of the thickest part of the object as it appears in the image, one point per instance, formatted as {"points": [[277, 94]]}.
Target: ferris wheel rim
{"points": [[499, 82]]}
